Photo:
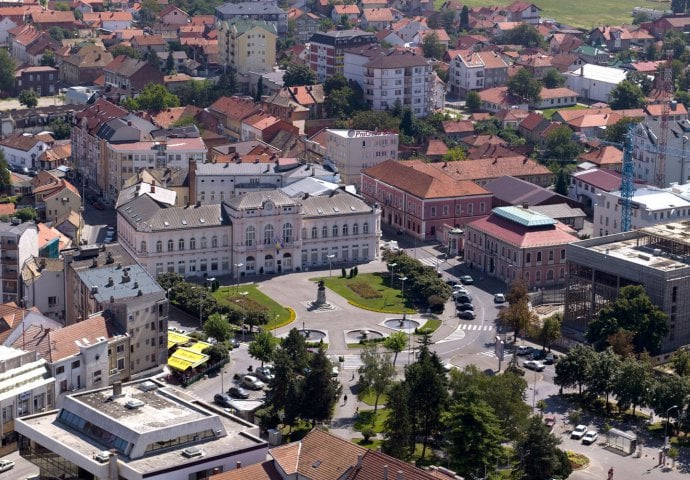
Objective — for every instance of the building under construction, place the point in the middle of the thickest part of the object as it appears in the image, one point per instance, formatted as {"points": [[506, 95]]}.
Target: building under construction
{"points": [[656, 257]]}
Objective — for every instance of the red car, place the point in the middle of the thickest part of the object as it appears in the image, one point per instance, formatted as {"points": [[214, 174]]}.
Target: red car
{"points": [[98, 206]]}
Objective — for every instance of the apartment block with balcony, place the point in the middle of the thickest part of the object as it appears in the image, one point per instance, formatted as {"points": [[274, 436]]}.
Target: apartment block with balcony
{"points": [[351, 151], [247, 45], [327, 50], [470, 71], [18, 242], [392, 76]]}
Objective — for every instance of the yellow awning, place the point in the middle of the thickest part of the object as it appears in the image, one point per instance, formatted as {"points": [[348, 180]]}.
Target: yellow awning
{"points": [[177, 338], [184, 358], [198, 347]]}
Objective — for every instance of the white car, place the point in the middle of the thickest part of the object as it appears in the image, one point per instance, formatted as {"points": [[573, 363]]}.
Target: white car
{"points": [[590, 437], [252, 382], [534, 365], [579, 432], [499, 298], [6, 465]]}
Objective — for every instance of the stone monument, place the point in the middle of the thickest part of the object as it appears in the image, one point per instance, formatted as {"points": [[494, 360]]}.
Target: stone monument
{"points": [[320, 294]]}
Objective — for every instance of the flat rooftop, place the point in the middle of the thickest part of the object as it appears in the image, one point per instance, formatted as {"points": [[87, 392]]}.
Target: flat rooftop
{"points": [[647, 256]]}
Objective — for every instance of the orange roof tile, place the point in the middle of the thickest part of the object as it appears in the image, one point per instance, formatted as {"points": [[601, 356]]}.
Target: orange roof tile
{"points": [[9, 209], [436, 148], [487, 168]]}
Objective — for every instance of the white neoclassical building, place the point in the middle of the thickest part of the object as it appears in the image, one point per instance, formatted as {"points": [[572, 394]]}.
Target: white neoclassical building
{"points": [[255, 233]]}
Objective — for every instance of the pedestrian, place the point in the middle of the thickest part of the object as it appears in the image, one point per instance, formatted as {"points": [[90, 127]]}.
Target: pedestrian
{"points": [[345, 399], [353, 376]]}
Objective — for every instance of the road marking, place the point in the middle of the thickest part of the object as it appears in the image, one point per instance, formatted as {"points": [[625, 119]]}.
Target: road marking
{"points": [[352, 361], [458, 334], [492, 354], [484, 328], [429, 261]]}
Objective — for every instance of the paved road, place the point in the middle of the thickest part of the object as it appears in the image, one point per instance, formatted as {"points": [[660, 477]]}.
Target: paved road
{"points": [[13, 103]]}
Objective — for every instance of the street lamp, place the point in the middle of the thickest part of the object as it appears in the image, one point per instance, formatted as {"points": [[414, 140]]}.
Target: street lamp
{"points": [[402, 279], [330, 264], [237, 272], [392, 267], [668, 416]]}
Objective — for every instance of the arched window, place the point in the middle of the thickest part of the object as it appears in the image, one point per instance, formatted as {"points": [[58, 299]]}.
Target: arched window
{"points": [[249, 236], [171, 245], [355, 229], [324, 232], [203, 242], [192, 243], [345, 230], [335, 230], [214, 241], [365, 228], [287, 233], [180, 244], [268, 234], [159, 246], [142, 247], [314, 232]]}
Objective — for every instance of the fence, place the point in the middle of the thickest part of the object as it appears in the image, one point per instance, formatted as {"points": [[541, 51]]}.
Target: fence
{"points": [[552, 295]]}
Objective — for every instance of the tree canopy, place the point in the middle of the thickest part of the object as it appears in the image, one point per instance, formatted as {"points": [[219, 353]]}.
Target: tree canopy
{"points": [[560, 145], [7, 68], [297, 75], [154, 97], [525, 86], [627, 95]]}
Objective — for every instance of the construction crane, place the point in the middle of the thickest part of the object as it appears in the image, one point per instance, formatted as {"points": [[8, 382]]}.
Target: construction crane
{"points": [[627, 187], [665, 97]]}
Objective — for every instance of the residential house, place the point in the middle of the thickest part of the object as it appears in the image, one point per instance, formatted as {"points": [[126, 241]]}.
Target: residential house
{"points": [[19, 39], [306, 25], [587, 185], [46, 19], [605, 157], [87, 149], [131, 74], [646, 162], [510, 191], [172, 15], [510, 118], [483, 170], [564, 43], [248, 45], [262, 11], [351, 12], [85, 65], [555, 98], [326, 50], [517, 243], [297, 105], [42, 80], [388, 76], [523, 12], [615, 38], [110, 21], [660, 27], [54, 197], [497, 99], [457, 129], [567, 62], [145, 44], [18, 242], [441, 37], [264, 127], [22, 150], [472, 71], [594, 82], [377, 18], [537, 65], [230, 111]]}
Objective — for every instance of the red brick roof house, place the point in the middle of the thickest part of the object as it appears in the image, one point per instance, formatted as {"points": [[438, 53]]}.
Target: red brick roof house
{"points": [[615, 38], [532, 127], [556, 98], [230, 111], [55, 18], [497, 98], [676, 23], [511, 117], [567, 62], [436, 149], [482, 170], [131, 74], [457, 129], [523, 12], [564, 43], [606, 157], [172, 15], [149, 43], [527, 245], [421, 199], [537, 65]]}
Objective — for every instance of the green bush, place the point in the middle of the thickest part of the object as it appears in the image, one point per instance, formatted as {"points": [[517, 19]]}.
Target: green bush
{"points": [[367, 433]]}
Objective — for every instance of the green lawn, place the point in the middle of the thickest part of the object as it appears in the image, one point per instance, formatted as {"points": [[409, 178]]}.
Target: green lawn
{"points": [[254, 299], [370, 397], [585, 14], [370, 291], [366, 418], [372, 444]]}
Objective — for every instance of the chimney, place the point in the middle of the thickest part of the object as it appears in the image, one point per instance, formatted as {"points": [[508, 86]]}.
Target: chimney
{"points": [[117, 389], [399, 476], [94, 263], [525, 205], [136, 285], [198, 204], [110, 282], [238, 465], [359, 460], [153, 187], [385, 472]]}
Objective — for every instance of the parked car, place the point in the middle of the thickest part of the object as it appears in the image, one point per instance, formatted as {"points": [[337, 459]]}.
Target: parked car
{"points": [[461, 294], [252, 382], [6, 465], [523, 350], [537, 355], [578, 432], [590, 437], [534, 365], [452, 283], [222, 399], [234, 343], [464, 307], [463, 299], [264, 373], [499, 298], [550, 359], [467, 280], [238, 392], [550, 422], [467, 315]]}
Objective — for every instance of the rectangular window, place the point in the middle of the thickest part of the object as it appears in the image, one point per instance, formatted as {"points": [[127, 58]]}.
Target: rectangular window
{"points": [[538, 256], [52, 301], [59, 370], [528, 258], [76, 364]]}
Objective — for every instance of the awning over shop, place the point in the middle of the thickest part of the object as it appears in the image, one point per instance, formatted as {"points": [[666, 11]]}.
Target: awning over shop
{"points": [[185, 358]]}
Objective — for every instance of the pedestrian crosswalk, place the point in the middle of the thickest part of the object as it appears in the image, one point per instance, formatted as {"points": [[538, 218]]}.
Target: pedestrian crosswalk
{"points": [[484, 328], [491, 353], [430, 261], [352, 362]]}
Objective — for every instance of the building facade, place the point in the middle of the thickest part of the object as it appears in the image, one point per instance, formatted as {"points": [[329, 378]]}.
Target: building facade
{"points": [[18, 242], [262, 11], [516, 243], [247, 45], [646, 152], [470, 71], [351, 151], [326, 50]]}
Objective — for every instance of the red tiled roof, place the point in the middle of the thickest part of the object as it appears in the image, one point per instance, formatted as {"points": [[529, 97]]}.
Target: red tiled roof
{"points": [[436, 148], [532, 121], [457, 126], [258, 471], [605, 180], [606, 155], [9, 209], [521, 236], [423, 180], [486, 168]]}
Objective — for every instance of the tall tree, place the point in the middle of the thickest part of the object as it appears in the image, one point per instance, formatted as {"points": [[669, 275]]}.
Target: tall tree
{"points": [[537, 455], [473, 101], [298, 75], [550, 330], [217, 326], [681, 362], [154, 97], [464, 18], [524, 34], [295, 346], [5, 177], [318, 395], [28, 98], [605, 370], [397, 431], [633, 382], [574, 369], [396, 343], [475, 436], [432, 47], [377, 372], [407, 122], [627, 95], [616, 132], [562, 182], [524, 85], [48, 59], [553, 79], [7, 68], [263, 347], [560, 145], [633, 311]]}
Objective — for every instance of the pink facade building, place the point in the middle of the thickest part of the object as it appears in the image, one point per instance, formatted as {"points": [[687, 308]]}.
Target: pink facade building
{"points": [[516, 242], [423, 201]]}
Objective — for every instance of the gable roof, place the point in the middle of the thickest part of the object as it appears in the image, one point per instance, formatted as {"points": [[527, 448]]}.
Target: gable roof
{"points": [[235, 107], [516, 191], [605, 155], [487, 168], [423, 180], [605, 180]]}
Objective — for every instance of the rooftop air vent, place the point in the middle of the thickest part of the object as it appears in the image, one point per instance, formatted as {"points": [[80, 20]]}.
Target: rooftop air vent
{"points": [[147, 386], [134, 403], [191, 452], [102, 456]]}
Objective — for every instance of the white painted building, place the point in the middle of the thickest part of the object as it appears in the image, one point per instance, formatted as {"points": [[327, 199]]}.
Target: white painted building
{"points": [[594, 82], [139, 430], [646, 151], [351, 151], [22, 150], [18, 242], [192, 241], [26, 385], [650, 206], [472, 71], [43, 286]]}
